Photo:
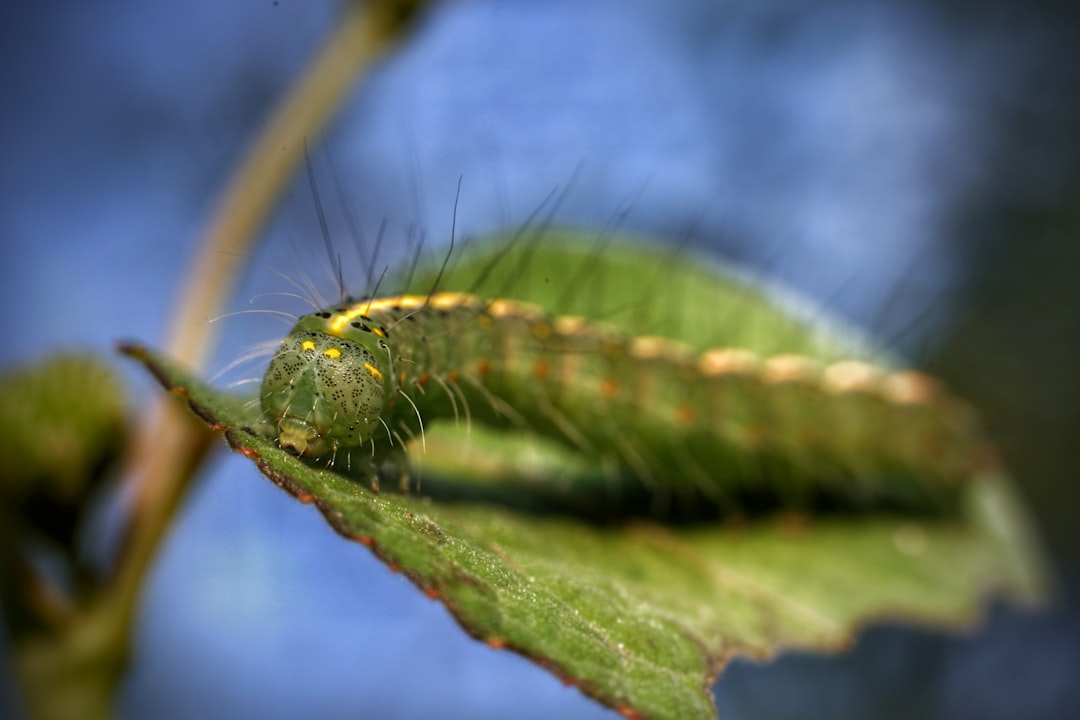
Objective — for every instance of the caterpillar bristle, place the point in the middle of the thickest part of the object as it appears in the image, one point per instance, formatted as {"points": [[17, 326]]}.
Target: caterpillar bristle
{"points": [[779, 418]]}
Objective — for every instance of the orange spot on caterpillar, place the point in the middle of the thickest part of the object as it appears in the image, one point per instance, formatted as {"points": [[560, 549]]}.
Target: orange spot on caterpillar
{"points": [[567, 680], [793, 523], [432, 593], [219, 427], [453, 376], [483, 368], [753, 436], [496, 643], [365, 540], [373, 371], [608, 387], [541, 369], [628, 712], [179, 390], [305, 497], [423, 379], [249, 453], [986, 457]]}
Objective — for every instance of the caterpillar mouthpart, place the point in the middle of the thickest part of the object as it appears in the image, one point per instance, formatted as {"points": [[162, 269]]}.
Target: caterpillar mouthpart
{"points": [[300, 437]]}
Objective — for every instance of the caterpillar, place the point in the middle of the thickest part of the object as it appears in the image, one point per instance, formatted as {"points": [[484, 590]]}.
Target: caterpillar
{"points": [[736, 424]]}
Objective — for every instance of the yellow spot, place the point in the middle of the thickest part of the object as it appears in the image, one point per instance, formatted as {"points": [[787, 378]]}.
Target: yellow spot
{"points": [[571, 324], [790, 368], [502, 308], [307, 345], [373, 370], [911, 388], [408, 302], [723, 361], [339, 322], [541, 369], [648, 347], [450, 300], [852, 376], [332, 353]]}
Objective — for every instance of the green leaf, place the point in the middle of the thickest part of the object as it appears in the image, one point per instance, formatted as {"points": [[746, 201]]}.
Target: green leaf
{"points": [[639, 614]]}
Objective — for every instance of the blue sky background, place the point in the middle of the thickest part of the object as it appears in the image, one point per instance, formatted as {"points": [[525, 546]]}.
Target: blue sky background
{"points": [[835, 144]]}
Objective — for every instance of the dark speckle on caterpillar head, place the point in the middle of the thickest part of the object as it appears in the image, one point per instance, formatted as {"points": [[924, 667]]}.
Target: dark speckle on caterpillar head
{"points": [[324, 393]]}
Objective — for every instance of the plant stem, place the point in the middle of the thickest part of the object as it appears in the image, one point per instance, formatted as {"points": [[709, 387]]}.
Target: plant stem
{"points": [[73, 671]]}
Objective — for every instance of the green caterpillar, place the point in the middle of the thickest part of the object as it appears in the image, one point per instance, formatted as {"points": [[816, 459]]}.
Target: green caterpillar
{"points": [[732, 424]]}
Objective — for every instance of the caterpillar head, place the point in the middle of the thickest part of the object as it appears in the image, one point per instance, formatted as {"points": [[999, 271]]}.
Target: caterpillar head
{"points": [[322, 393]]}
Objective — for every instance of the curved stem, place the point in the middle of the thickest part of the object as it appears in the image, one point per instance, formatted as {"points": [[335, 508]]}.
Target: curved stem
{"points": [[79, 667], [170, 449]]}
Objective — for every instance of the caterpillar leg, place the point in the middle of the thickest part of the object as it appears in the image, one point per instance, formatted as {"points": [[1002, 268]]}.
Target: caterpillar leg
{"points": [[396, 466], [401, 464]]}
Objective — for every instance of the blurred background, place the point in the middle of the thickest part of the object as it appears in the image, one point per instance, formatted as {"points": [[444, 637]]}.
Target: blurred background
{"points": [[913, 165]]}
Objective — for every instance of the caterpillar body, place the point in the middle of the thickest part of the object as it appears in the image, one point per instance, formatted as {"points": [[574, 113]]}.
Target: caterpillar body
{"points": [[731, 424]]}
